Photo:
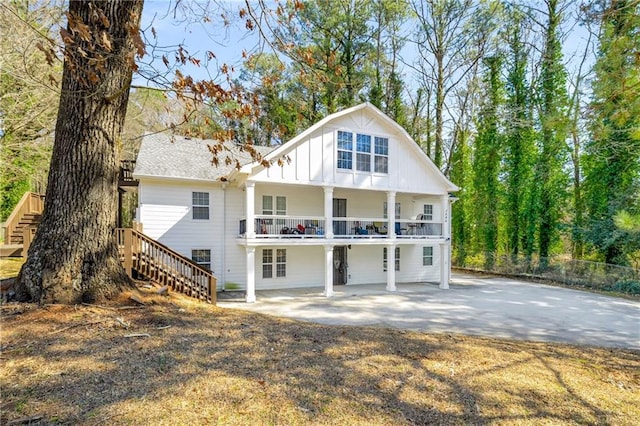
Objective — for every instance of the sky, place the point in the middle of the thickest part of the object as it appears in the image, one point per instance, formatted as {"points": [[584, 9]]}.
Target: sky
{"points": [[228, 42]]}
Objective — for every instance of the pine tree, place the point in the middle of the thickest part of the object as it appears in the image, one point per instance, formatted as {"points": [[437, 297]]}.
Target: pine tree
{"points": [[612, 160]]}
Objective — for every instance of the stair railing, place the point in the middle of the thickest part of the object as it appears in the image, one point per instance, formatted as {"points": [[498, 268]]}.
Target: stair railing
{"points": [[161, 264], [30, 203]]}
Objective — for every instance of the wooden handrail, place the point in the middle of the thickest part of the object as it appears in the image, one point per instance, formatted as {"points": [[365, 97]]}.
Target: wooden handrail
{"points": [[158, 262], [30, 203]]}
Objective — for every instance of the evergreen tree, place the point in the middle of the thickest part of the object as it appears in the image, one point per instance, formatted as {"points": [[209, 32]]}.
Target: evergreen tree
{"points": [[487, 161], [549, 174], [519, 143], [612, 161]]}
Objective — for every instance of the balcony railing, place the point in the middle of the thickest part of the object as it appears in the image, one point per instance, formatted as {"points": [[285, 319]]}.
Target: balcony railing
{"points": [[350, 227], [277, 226]]}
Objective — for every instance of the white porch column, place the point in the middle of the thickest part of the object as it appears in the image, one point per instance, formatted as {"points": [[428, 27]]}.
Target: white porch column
{"points": [[445, 265], [250, 203], [328, 213], [445, 247], [391, 265], [391, 216], [251, 275], [328, 271]]}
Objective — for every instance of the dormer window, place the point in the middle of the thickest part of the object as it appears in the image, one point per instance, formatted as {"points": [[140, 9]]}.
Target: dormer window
{"points": [[345, 150], [370, 157], [363, 154], [381, 160]]}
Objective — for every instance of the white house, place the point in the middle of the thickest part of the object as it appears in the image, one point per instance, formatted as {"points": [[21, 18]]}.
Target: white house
{"points": [[322, 219]]}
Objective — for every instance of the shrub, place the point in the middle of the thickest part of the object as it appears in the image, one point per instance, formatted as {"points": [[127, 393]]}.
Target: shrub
{"points": [[626, 286]]}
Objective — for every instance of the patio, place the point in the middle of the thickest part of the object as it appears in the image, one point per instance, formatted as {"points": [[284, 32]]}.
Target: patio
{"points": [[484, 306]]}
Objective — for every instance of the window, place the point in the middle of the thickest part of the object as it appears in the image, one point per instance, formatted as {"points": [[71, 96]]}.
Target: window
{"points": [[281, 206], [281, 263], [202, 257], [345, 150], [267, 208], [268, 263], [363, 153], [200, 208], [384, 210], [384, 259], [428, 212], [427, 256], [369, 157], [381, 157], [267, 205]]}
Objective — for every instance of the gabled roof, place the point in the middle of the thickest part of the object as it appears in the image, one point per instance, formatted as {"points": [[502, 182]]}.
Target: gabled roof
{"points": [[282, 150], [166, 156]]}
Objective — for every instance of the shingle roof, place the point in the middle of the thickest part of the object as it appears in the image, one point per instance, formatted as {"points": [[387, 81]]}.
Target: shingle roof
{"points": [[163, 155]]}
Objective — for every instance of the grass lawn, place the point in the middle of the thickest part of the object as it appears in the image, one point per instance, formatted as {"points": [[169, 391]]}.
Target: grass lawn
{"points": [[204, 365], [10, 266]]}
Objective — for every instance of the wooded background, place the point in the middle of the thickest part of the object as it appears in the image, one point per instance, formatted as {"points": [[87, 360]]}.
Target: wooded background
{"points": [[546, 148]]}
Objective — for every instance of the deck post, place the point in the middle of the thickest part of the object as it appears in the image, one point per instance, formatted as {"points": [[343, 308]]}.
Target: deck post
{"points": [[212, 289], [27, 238], [328, 270], [128, 251]]}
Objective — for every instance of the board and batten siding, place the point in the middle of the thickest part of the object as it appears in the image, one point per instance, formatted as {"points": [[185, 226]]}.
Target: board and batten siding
{"points": [[313, 160]]}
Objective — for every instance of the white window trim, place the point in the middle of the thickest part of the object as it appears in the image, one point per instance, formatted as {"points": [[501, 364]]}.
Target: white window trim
{"points": [[267, 263], [385, 259], [274, 263], [354, 153], [427, 256], [427, 216], [208, 205], [203, 264]]}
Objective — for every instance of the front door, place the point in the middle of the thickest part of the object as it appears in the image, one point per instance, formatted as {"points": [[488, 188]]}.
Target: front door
{"points": [[340, 210], [340, 265]]}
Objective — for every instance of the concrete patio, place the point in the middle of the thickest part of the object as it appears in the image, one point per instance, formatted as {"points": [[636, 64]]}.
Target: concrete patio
{"points": [[474, 305]]}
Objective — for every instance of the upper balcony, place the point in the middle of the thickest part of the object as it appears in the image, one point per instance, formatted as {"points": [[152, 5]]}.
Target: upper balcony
{"points": [[355, 228]]}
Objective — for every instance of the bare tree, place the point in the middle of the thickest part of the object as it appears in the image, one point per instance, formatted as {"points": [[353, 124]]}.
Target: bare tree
{"points": [[448, 50]]}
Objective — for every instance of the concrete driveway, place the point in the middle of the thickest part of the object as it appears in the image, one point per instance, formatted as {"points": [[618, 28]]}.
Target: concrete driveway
{"points": [[474, 305]]}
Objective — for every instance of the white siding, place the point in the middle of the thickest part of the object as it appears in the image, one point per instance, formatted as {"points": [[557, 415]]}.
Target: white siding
{"points": [[366, 265], [165, 208], [411, 268], [234, 274], [304, 268], [165, 212], [301, 200]]}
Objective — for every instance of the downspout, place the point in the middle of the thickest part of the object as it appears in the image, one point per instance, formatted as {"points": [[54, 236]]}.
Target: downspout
{"points": [[224, 235]]}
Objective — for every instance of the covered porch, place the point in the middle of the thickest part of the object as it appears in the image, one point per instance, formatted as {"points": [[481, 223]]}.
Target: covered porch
{"points": [[312, 263]]}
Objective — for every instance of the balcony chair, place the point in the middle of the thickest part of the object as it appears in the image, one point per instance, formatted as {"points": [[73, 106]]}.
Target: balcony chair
{"points": [[380, 228]]}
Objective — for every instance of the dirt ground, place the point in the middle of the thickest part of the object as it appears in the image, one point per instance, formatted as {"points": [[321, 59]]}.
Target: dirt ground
{"points": [[177, 361]]}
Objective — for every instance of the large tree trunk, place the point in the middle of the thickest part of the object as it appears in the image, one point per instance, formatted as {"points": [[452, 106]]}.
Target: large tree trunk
{"points": [[74, 256]]}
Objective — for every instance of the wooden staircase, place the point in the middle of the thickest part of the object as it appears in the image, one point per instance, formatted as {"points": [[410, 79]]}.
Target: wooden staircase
{"points": [[21, 225], [144, 257]]}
